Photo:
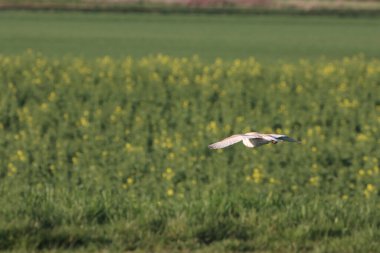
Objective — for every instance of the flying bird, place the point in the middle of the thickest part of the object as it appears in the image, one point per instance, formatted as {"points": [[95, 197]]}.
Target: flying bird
{"points": [[252, 140]]}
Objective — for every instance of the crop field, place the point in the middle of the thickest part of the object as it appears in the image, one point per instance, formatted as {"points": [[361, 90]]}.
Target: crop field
{"points": [[267, 38], [111, 155]]}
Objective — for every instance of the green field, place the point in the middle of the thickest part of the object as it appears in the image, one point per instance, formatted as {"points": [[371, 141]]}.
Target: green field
{"points": [[105, 121], [111, 155], [268, 38]]}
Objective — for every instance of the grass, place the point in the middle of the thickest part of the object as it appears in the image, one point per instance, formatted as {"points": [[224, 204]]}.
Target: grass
{"points": [[111, 155], [226, 223], [268, 38]]}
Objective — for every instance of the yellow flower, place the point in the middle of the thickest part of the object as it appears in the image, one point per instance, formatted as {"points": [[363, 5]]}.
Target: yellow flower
{"points": [[212, 127], [168, 174], [21, 156], [166, 143], [129, 147], [12, 169], [52, 96], [376, 170], [369, 190], [170, 192], [44, 106], [84, 122], [37, 81], [239, 119], [246, 129], [75, 160], [328, 69], [118, 109], [299, 89], [185, 104], [361, 173], [342, 87], [273, 181], [362, 137], [52, 167], [371, 70], [171, 156], [257, 176], [227, 128], [130, 180], [314, 180], [349, 104]]}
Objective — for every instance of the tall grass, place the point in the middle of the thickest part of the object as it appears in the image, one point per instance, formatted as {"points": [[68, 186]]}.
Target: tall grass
{"points": [[112, 154]]}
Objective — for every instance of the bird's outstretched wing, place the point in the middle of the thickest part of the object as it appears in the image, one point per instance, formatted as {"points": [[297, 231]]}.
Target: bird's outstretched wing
{"points": [[257, 142], [226, 142], [283, 137]]}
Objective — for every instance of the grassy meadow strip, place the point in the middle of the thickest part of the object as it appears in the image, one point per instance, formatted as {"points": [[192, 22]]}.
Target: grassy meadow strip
{"points": [[112, 154], [266, 37]]}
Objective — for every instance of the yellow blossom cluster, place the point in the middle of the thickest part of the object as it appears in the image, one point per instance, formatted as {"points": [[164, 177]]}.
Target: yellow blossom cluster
{"points": [[144, 124]]}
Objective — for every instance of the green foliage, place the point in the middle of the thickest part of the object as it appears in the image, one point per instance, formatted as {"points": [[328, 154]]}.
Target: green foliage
{"points": [[113, 154]]}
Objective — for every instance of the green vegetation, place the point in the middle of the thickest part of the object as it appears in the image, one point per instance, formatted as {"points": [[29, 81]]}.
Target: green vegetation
{"points": [[268, 38], [111, 154]]}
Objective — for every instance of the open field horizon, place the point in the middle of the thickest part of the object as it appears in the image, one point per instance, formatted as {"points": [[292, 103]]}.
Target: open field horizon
{"points": [[267, 38]]}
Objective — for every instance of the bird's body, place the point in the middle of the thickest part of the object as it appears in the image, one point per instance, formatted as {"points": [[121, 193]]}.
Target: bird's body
{"points": [[251, 140]]}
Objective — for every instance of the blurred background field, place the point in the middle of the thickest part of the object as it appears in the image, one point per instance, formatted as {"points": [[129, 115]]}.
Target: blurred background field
{"points": [[210, 6], [105, 120], [267, 38]]}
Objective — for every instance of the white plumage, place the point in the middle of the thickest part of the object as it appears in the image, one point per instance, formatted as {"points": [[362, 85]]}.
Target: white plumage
{"points": [[251, 140]]}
